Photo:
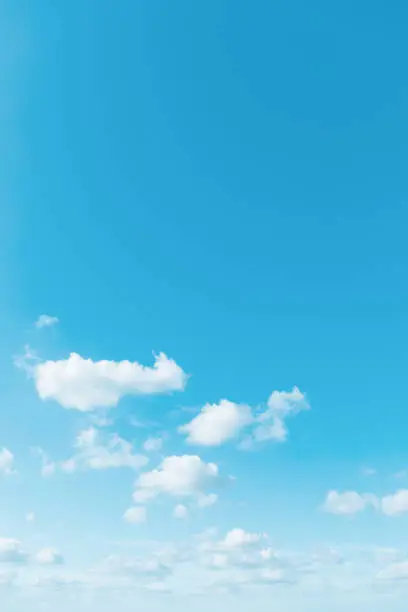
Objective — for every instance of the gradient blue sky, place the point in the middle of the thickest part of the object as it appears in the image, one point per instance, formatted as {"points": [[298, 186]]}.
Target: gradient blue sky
{"points": [[224, 182]]}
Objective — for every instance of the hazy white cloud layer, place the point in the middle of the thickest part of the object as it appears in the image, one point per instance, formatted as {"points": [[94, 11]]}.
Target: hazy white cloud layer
{"points": [[49, 556]]}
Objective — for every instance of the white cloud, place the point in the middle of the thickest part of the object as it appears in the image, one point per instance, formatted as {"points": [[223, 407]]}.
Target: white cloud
{"points": [[178, 476], [281, 405], [153, 445], [396, 503], [368, 471], [351, 502], [6, 462], [348, 502], [396, 571], [218, 561], [217, 423], [45, 320], [11, 551], [180, 511], [49, 556], [85, 385], [136, 514], [94, 452], [205, 501], [153, 567], [239, 550], [48, 467], [27, 361], [30, 517], [239, 538]]}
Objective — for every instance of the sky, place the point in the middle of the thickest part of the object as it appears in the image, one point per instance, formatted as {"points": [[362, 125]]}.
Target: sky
{"points": [[203, 312]]}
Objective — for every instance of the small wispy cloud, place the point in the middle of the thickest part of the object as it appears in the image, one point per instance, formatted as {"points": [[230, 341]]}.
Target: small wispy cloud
{"points": [[45, 320], [6, 462], [27, 360], [368, 471], [48, 466]]}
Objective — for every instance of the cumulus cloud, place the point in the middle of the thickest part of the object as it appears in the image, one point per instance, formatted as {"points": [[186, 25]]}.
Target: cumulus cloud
{"points": [[219, 423], [396, 503], [6, 462], [177, 476], [153, 445], [180, 511], [348, 502], [95, 452], [85, 385], [351, 502], [11, 551], [239, 538], [242, 551], [49, 556], [45, 320], [135, 515], [236, 540], [281, 405]]}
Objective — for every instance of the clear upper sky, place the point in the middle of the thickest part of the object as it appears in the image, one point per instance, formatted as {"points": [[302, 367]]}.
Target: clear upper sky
{"points": [[203, 203]]}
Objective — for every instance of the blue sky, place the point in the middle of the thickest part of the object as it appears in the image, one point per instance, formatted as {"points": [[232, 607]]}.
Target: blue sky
{"points": [[203, 314]]}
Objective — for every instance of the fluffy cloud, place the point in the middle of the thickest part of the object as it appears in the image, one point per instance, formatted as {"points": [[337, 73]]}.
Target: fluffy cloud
{"points": [[153, 445], [217, 423], [85, 385], [351, 502], [242, 551], [6, 462], [281, 405], [396, 503], [178, 476], [49, 556], [180, 511], [240, 539], [11, 551], [135, 515], [348, 502], [95, 453], [45, 320], [235, 541]]}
